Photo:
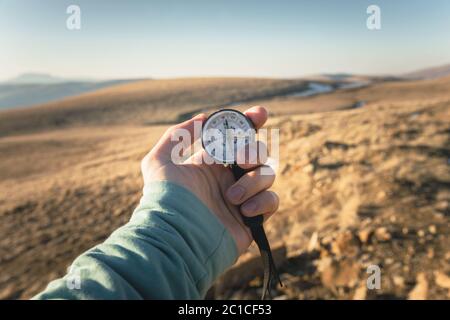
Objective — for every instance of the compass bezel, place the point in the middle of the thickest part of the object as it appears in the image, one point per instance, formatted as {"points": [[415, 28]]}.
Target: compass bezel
{"points": [[212, 115]]}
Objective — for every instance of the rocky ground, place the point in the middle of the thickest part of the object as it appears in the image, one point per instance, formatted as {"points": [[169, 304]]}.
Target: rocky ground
{"points": [[359, 187]]}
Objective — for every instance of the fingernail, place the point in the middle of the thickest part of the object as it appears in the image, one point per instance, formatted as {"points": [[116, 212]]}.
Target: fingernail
{"points": [[200, 115], [236, 193], [249, 207]]}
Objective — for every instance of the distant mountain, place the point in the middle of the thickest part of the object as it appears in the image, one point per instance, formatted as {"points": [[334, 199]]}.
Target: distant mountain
{"points": [[338, 76], [34, 88], [422, 74], [352, 78], [429, 73], [36, 78]]}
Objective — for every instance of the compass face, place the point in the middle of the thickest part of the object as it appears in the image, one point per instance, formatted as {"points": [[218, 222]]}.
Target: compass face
{"points": [[225, 132]]}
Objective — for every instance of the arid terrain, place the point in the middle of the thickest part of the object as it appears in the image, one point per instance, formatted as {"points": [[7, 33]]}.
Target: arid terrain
{"points": [[364, 180]]}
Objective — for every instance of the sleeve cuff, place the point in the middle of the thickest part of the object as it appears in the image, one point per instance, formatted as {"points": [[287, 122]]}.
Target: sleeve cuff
{"points": [[213, 248]]}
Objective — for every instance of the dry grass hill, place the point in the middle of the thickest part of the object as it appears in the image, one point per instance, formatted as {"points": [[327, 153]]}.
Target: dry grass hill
{"points": [[364, 179]]}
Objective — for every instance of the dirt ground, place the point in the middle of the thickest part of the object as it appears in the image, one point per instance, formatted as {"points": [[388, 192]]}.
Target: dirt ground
{"points": [[358, 186]]}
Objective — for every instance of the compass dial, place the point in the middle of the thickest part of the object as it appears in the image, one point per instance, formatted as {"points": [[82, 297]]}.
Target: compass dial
{"points": [[225, 132]]}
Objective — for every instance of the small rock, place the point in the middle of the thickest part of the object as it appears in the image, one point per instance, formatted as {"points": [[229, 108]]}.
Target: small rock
{"points": [[420, 291], [361, 292], [398, 281], [381, 196], [442, 280], [308, 168], [442, 205], [382, 234], [432, 229], [364, 235], [313, 242]]}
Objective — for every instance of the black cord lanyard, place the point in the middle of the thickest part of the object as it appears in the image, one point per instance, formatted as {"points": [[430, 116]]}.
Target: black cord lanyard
{"points": [[259, 235]]}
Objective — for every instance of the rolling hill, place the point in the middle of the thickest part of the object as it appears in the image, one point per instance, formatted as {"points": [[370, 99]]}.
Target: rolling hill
{"points": [[167, 101], [429, 73], [142, 102], [363, 180]]}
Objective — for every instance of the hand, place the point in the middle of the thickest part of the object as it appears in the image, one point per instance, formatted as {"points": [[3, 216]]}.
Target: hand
{"points": [[214, 184]]}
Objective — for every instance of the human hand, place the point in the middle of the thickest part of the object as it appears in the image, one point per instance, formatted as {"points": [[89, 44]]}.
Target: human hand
{"points": [[214, 184]]}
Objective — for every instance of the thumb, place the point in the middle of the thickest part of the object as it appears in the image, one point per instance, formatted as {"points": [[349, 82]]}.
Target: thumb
{"points": [[185, 133]]}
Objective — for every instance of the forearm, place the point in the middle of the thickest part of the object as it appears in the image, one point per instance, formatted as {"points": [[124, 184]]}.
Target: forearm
{"points": [[172, 248]]}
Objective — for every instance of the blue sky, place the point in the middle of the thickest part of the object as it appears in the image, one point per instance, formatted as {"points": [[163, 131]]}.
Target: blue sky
{"points": [[123, 39]]}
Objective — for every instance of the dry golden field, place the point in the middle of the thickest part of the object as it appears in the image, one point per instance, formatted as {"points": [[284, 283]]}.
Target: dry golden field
{"points": [[358, 186]]}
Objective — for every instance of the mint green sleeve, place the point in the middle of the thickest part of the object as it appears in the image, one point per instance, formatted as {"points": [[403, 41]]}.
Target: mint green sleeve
{"points": [[173, 247]]}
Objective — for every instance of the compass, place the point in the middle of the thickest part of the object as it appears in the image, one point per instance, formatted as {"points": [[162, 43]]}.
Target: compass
{"points": [[225, 132]]}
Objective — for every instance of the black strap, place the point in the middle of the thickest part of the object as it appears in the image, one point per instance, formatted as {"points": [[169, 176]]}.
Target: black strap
{"points": [[259, 235]]}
